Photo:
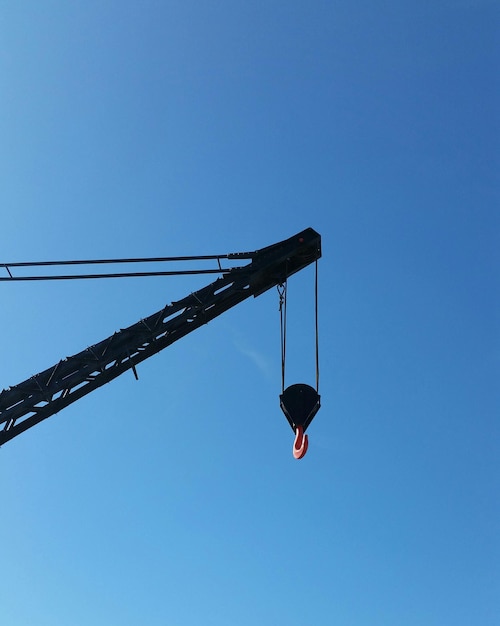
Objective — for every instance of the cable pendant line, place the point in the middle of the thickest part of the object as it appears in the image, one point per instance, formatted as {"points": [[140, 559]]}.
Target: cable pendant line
{"points": [[208, 257], [159, 259], [11, 278], [282, 291]]}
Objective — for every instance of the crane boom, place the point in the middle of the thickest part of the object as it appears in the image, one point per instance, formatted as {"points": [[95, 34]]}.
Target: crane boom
{"points": [[44, 394]]}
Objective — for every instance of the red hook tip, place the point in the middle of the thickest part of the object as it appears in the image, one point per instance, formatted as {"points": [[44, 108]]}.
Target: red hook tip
{"points": [[300, 444]]}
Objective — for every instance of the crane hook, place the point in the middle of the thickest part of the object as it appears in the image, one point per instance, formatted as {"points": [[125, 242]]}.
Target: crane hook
{"points": [[301, 443]]}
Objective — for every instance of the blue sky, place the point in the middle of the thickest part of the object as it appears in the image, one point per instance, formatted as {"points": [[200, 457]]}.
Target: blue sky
{"points": [[170, 128]]}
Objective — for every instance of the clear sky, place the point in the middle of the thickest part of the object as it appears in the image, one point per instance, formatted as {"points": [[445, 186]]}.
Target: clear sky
{"points": [[192, 127]]}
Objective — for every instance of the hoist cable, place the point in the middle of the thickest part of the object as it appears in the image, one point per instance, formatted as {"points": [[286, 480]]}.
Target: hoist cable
{"points": [[316, 324], [282, 291], [282, 294]]}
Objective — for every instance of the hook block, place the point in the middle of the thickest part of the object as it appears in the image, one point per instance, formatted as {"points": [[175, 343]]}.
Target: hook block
{"points": [[300, 403]]}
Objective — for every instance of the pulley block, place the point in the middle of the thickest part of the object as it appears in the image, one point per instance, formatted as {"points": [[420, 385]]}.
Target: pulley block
{"points": [[300, 403]]}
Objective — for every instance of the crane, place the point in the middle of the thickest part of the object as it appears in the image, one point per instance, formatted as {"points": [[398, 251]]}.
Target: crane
{"points": [[39, 397]]}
